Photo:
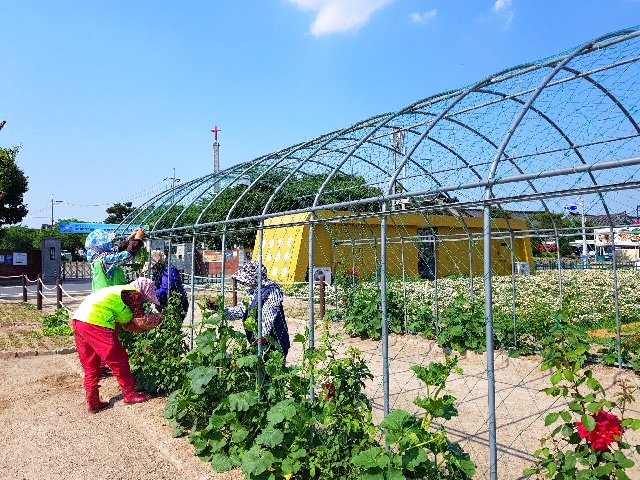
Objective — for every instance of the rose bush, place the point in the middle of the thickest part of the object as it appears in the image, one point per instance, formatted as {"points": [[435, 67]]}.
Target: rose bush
{"points": [[589, 443]]}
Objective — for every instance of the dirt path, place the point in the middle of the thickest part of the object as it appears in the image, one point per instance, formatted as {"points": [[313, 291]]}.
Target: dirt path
{"points": [[47, 434]]}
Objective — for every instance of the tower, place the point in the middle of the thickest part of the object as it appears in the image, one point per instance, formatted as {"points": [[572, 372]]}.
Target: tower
{"points": [[216, 155]]}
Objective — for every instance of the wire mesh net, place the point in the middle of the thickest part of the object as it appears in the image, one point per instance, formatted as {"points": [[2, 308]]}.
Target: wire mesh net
{"points": [[502, 205]]}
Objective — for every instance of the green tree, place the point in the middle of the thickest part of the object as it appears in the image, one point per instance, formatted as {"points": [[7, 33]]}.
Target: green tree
{"points": [[13, 185], [118, 212], [18, 238], [546, 221], [298, 193]]}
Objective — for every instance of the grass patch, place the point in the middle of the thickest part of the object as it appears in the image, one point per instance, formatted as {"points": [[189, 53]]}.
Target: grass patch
{"points": [[20, 313]]}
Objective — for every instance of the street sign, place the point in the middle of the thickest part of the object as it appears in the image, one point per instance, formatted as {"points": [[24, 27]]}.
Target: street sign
{"points": [[88, 227]]}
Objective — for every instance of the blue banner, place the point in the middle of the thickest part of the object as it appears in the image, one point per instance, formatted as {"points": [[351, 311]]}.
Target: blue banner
{"points": [[87, 227]]}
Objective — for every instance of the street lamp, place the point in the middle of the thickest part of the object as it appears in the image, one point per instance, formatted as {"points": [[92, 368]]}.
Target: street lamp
{"points": [[53, 202], [173, 179]]}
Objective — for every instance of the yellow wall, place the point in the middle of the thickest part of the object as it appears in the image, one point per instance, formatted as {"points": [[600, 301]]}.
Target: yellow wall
{"points": [[286, 256]]}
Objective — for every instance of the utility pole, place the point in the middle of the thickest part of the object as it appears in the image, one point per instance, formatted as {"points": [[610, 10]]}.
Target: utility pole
{"points": [[397, 145], [585, 252], [52, 204]]}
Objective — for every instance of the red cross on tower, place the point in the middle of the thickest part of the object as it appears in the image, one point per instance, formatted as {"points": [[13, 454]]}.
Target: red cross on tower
{"points": [[215, 132]]}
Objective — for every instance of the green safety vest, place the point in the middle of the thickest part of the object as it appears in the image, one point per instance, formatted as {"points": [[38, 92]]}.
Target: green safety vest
{"points": [[100, 280], [105, 307]]}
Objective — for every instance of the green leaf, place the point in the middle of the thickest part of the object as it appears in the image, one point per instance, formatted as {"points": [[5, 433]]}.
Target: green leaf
{"points": [[200, 378], [551, 418], [247, 361], [468, 467], [394, 474], [593, 384], [396, 420], [584, 475], [414, 457], [575, 406], [239, 434], [283, 410], [368, 458], [622, 475], [588, 422], [594, 407], [372, 474], [299, 338], [566, 416], [270, 437], [216, 421], [626, 463], [635, 424], [257, 460], [556, 377], [221, 462], [241, 402]]}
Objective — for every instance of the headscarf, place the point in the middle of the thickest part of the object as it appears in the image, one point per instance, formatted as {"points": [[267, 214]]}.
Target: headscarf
{"points": [[99, 241], [147, 289], [158, 261], [248, 273]]}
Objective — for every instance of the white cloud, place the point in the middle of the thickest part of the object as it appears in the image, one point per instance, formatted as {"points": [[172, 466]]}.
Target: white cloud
{"points": [[336, 16], [423, 17], [504, 10], [501, 5]]}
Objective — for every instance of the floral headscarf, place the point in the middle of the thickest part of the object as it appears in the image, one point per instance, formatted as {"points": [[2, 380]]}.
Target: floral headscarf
{"points": [[248, 274], [99, 241], [147, 289]]}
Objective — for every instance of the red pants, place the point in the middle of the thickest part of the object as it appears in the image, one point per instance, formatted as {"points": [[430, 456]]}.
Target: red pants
{"points": [[97, 344]]}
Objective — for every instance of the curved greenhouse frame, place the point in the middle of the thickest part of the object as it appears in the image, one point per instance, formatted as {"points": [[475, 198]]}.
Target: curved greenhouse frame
{"points": [[477, 166]]}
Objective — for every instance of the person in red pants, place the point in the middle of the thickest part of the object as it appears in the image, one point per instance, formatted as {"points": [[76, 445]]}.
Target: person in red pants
{"points": [[95, 324]]}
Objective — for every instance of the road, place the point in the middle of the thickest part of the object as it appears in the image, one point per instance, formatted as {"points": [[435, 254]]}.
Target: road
{"points": [[75, 288]]}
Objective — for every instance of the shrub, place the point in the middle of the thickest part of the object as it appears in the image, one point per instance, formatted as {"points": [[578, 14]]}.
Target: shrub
{"points": [[240, 410], [363, 316], [415, 447], [588, 443], [155, 356], [57, 323]]}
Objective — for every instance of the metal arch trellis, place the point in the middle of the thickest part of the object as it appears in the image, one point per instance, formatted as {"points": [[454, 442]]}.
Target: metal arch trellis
{"points": [[488, 172]]}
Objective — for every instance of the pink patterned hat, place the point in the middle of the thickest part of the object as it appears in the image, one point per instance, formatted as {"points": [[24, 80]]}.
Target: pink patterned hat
{"points": [[147, 289]]}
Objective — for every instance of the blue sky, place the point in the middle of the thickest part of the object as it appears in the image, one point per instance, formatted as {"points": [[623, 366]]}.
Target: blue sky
{"points": [[106, 99]]}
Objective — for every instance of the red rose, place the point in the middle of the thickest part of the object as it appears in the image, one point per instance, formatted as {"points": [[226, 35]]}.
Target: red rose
{"points": [[606, 431], [147, 347], [234, 365], [331, 390], [344, 299]]}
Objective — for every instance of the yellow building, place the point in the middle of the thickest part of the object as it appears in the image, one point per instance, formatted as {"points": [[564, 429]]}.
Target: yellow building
{"points": [[423, 244]]}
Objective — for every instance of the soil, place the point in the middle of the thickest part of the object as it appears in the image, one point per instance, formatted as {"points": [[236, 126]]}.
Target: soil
{"points": [[47, 433]]}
